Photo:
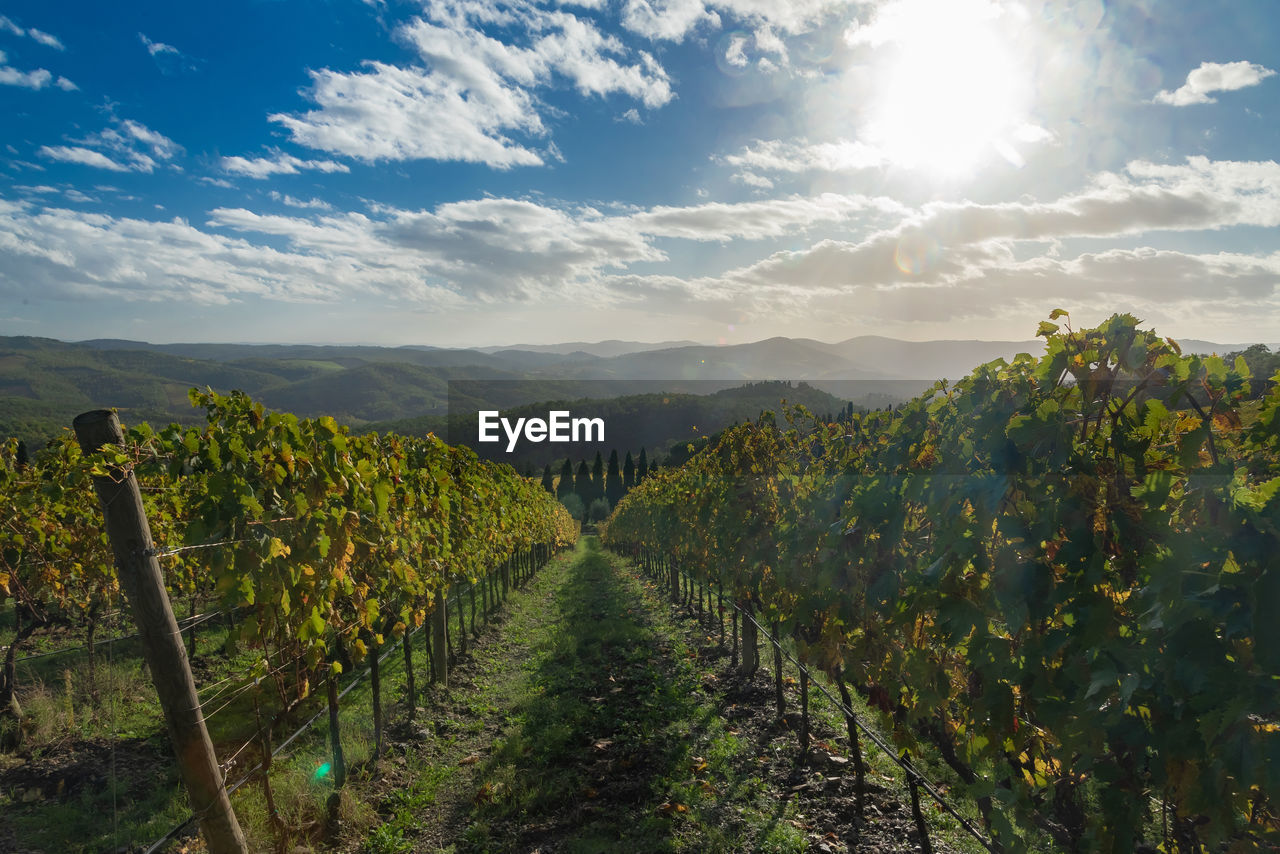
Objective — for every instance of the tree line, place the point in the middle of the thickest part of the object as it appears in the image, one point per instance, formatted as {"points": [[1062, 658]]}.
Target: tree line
{"points": [[589, 492]]}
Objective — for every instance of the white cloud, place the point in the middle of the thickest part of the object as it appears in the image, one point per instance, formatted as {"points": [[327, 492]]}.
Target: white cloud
{"points": [[736, 52], [154, 47], [833, 283], [168, 59], [720, 221], [37, 79], [946, 242], [1161, 286], [751, 179], [768, 41], [32, 33], [134, 148], [673, 20], [939, 263], [135, 133], [1213, 77], [801, 156], [968, 261], [473, 90], [1196, 195], [81, 155], [307, 204], [46, 39], [66, 254], [514, 248], [10, 76], [475, 251], [391, 113], [278, 163]]}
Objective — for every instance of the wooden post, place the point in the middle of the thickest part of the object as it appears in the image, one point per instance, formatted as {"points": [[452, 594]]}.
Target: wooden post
{"points": [[777, 671], [143, 584], [804, 711], [750, 641], [410, 689], [375, 686], [855, 745], [439, 642], [922, 827], [339, 760]]}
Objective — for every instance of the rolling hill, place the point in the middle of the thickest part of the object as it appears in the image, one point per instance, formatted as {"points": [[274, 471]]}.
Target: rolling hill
{"points": [[44, 383]]}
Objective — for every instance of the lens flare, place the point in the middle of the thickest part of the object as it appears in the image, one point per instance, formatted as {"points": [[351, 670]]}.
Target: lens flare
{"points": [[915, 254]]}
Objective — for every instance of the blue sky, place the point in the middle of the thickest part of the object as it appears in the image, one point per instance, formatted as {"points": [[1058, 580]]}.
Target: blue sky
{"points": [[472, 172]]}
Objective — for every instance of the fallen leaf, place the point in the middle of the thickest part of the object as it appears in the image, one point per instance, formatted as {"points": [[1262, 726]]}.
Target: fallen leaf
{"points": [[470, 760], [488, 793]]}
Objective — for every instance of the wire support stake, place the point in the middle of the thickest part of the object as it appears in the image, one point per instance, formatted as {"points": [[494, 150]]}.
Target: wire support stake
{"points": [[907, 767]]}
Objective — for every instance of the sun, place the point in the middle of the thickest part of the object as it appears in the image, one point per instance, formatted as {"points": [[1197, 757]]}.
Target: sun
{"points": [[950, 90]]}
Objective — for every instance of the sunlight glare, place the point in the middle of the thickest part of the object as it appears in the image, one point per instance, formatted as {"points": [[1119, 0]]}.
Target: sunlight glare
{"points": [[953, 91]]}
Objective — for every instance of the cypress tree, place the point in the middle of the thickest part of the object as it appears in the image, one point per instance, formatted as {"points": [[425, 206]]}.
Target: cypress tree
{"points": [[582, 483], [597, 478], [548, 483], [613, 487], [643, 471], [566, 479], [628, 473]]}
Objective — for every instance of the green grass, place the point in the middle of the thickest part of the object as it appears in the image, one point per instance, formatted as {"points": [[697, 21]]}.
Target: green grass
{"points": [[590, 717], [607, 741]]}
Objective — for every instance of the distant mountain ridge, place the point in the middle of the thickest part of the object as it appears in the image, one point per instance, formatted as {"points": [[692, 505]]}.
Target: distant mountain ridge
{"points": [[603, 349], [45, 382]]}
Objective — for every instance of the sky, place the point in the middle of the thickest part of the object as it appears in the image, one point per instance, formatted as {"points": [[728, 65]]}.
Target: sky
{"points": [[475, 172]]}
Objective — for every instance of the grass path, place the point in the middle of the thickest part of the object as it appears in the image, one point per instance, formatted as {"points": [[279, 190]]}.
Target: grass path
{"points": [[582, 725], [590, 715], [596, 719], [614, 747]]}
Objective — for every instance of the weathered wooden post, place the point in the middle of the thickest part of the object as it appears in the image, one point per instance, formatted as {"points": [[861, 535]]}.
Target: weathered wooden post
{"points": [[439, 641], [143, 584]]}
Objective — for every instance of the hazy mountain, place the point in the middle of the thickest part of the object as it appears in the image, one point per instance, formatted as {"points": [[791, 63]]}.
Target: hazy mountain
{"points": [[773, 358], [603, 349], [1193, 345], [44, 383], [345, 356], [926, 360]]}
